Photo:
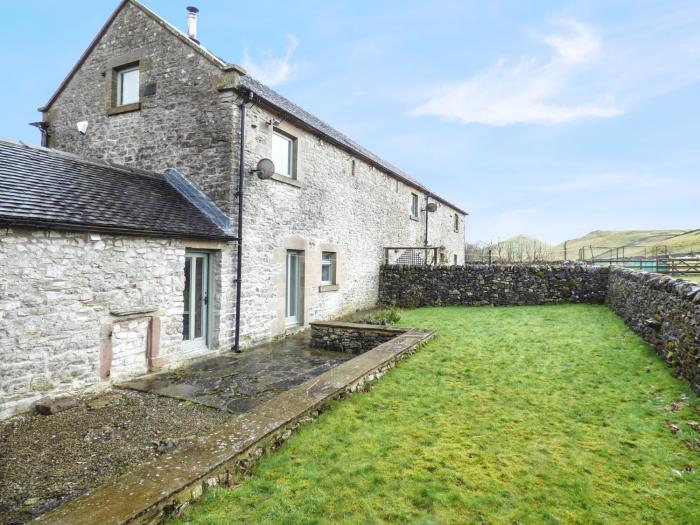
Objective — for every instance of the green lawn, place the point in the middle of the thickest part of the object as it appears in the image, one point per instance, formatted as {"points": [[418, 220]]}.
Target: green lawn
{"points": [[551, 414], [689, 277]]}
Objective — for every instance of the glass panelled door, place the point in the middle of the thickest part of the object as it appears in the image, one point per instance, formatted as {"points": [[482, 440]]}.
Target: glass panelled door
{"points": [[195, 319], [295, 263]]}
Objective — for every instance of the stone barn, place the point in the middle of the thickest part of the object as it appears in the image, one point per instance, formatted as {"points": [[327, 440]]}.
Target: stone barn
{"points": [[119, 239]]}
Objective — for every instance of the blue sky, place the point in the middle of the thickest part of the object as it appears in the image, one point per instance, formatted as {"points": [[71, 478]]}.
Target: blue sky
{"points": [[546, 118]]}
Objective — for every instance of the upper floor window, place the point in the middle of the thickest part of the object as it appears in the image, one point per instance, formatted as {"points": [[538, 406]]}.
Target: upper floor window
{"points": [[127, 85], [414, 205], [328, 268], [283, 154], [456, 222]]}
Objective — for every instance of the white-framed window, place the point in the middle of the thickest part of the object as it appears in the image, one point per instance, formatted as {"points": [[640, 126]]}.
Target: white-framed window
{"points": [[414, 205], [127, 85], [456, 222], [283, 154], [327, 268]]}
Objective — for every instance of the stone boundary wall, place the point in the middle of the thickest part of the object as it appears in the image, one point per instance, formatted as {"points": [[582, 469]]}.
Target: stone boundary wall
{"points": [[351, 338], [497, 285], [665, 312]]}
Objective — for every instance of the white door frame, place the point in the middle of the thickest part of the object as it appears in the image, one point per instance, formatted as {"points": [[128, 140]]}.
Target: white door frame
{"points": [[197, 333], [294, 295]]}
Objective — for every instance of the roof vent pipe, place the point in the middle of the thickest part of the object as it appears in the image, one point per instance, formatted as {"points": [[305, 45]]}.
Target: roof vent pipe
{"points": [[192, 23]]}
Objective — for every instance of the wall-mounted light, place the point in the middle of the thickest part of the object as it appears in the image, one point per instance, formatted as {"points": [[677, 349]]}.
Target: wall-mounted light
{"points": [[82, 127], [273, 122]]}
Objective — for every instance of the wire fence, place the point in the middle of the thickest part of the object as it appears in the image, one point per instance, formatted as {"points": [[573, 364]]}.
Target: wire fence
{"points": [[656, 258]]}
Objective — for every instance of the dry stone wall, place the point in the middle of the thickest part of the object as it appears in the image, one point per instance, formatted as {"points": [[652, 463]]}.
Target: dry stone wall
{"points": [[663, 311], [474, 285]]}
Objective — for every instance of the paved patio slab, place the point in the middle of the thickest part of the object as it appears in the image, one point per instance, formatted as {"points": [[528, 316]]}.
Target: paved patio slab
{"points": [[169, 483], [239, 382]]}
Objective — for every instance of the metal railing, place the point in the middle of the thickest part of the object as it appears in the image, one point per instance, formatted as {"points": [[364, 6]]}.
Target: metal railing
{"points": [[411, 256], [670, 265]]}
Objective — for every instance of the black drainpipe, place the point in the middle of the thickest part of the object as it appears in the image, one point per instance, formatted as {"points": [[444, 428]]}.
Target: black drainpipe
{"points": [[427, 213], [44, 128], [247, 98]]}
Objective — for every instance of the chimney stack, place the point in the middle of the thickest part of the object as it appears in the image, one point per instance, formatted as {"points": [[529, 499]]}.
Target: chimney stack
{"points": [[192, 23]]}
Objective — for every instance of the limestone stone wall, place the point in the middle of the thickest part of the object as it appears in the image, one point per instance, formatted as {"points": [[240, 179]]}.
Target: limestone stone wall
{"points": [[185, 123], [663, 311], [339, 202], [473, 285], [351, 338], [62, 303]]}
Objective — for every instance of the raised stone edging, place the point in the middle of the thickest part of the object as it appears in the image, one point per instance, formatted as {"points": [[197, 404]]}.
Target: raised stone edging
{"points": [[166, 485], [351, 338]]}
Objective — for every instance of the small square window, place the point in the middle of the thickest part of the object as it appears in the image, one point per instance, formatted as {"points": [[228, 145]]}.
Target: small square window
{"points": [[127, 85], [283, 154], [328, 268], [414, 205]]}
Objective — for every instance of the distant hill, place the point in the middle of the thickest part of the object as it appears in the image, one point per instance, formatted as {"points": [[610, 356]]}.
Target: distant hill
{"points": [[636, 242], [525, 240], [520, 248], [684, 243]]}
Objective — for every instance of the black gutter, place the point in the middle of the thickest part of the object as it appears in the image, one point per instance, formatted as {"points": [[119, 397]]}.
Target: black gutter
{"points": [[247, 98]]}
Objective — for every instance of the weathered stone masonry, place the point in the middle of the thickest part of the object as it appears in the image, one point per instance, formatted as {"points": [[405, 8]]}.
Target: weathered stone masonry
{"points": [[62, 295], [665, 312], [351, 338], [339, 202], [474, 285]]}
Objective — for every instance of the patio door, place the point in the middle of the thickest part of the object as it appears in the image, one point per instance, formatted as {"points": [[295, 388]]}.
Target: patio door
{"points": [[294, 299], [195, 319]]}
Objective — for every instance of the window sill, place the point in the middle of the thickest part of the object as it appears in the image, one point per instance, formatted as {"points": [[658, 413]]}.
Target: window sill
{"points": [[286, 180], [328, 288], [413, 217], [118, 110]]}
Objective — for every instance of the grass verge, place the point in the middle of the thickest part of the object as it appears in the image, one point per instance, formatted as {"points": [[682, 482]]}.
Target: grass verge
{"points": [[551, 414]]}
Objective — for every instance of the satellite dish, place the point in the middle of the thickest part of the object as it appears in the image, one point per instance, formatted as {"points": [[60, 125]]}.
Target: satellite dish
{"points": [[431, 207], [265, 169]]}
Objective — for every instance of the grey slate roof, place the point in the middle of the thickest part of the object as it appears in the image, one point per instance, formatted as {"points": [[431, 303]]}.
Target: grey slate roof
{"points": [[44, 188], [287, 106], [264, 92]]}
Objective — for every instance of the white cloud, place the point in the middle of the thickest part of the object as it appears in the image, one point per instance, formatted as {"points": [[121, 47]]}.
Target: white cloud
{"points": [[531, 90], [272, 70]]}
